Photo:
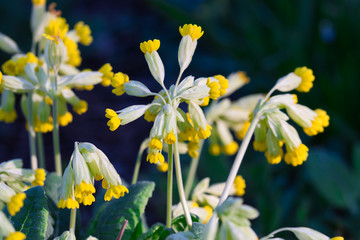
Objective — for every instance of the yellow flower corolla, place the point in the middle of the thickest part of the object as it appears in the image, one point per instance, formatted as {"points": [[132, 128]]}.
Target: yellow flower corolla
{"points": [[214, 92], [81, 107], [231, 148], [56, 29], [192, 30], [153, 157], [148, 116], [318, 124], [8, 117], [16, 236], [296, 156], [16, 202], [83, 193], [1, 76], [274, 159], [68, 203], [114, 191], [48, 100], [240, 185], [65, 119], [114, 121], [150, 46], [163, 167], [73, 52], [337, 238], [155, 144], [106, 70], [240, 134], [204, 133], [43, 127], [193, 146], [209, 211], [170, 138], [9, 68], [205, 102], [40, 177], [260, 146], [224, 83], [215, 149], [117, 82], [295, 97], [307, 78], [84, 33]]}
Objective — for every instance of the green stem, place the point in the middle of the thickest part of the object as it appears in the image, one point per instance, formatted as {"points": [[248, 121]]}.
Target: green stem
{"points": [[72, 219], [32, 136], [192, 171], [210, 229], [40, 145], [56, 140], [180, 185], [169, 187], [138, 161]]}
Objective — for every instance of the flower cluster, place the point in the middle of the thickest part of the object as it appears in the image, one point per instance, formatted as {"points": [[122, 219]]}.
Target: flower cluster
{"points": [[273, 129], [14, 180], [86, 164], [205, 197], [170, 122]]}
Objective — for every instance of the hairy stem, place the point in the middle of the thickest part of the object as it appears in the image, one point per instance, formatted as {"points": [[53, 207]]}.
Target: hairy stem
{"points": [[192, 171], [40, 147], [56, 139], [32, 136], [180, 185], [169, 187]]}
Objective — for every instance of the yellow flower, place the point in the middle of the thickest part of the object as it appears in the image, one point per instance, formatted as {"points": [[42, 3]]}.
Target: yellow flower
{"points": [[16, 236], [204, 133], [155, 144], [115, 191], [215, 149], [83, 193], [65, 119], [9, 68], [295, 97], [193, 146], [242, 132], [214, 92], [106, 70], [231, 148], [192, 30], [224, 84], [81, 107], [296, 156], [148, 116], [163, 167], [118, 81], [40, 177], [114, 121], [274, 159], [260, 146], [153, 157], [1, 76], [8, 117], [318, 124], [205, 102], [337, 238], [68, 203], [73, 52], [307, 78], [150, 46], [16, 202], [56, 29], [209, 211], [170, 138], [84, 33], [240, 185]]}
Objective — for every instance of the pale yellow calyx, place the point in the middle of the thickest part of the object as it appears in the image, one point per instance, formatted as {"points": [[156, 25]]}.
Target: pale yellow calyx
{"points": [[307, 78], [192, 30], [240, 185], [150, 46], [16, 236], [170, 138], [84, 33], [81, 107], [40, 177], [16, 202], [68, 203], [318, 124], [296, 156], [106, 70]]}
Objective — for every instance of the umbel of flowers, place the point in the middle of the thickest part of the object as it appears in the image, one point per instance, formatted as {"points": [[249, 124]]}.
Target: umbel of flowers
{"points": [[86, 165]]}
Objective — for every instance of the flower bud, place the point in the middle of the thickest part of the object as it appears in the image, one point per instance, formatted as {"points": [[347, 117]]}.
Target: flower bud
{"points": [[54, 53]]}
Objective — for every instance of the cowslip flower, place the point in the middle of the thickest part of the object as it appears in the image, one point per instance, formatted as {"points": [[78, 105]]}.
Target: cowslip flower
{"points": [[14, 201], [273, 130], [87, 164], [7, 230]]}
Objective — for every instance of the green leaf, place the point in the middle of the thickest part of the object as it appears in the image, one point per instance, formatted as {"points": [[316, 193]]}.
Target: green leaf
{"points": [[197, 229], [179, 224], [109, 218], [153, 233], [52, 186], [332, 179], [33, 218]]}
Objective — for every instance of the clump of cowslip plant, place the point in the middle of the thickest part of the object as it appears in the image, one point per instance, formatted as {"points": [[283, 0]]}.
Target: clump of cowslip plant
{"points": [[33, 203]]}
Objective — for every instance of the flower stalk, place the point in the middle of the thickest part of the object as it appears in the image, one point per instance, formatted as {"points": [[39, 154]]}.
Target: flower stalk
{"points": [[169, 186], [56, 140], [40, 148], [72, 219], [32, 135]]}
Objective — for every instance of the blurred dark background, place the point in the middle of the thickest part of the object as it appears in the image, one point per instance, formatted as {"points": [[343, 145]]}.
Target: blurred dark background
{"points": [[267, 39]]}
